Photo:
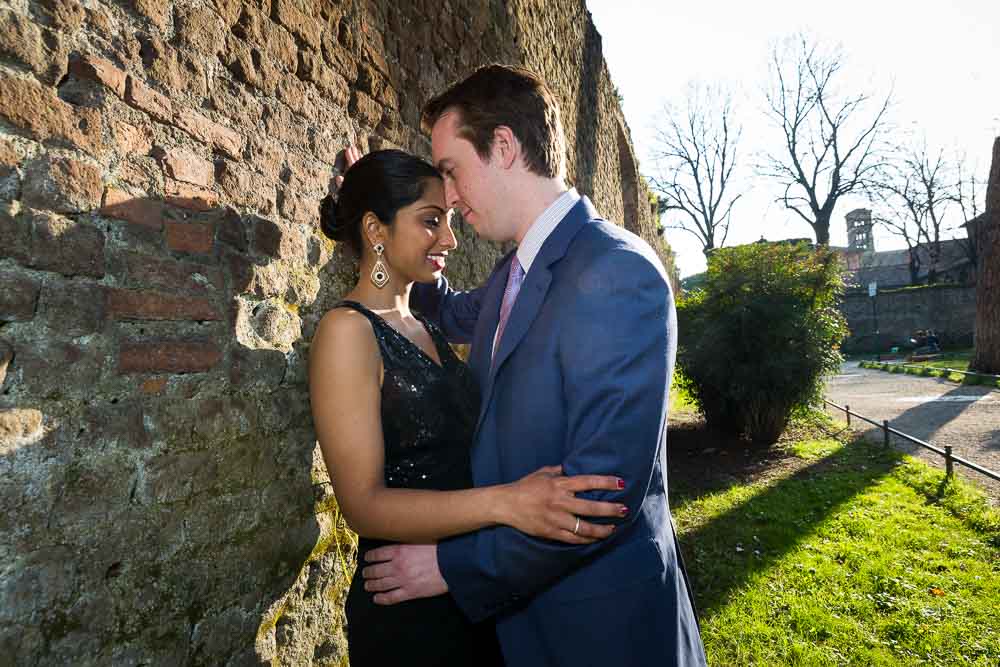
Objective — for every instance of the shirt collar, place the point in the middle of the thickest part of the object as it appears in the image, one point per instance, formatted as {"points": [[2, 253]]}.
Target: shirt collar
{"points": [[540, 230]]}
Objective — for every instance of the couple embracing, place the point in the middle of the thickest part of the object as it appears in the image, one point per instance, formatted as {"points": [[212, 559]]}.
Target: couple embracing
{"points": [[512, 510]]}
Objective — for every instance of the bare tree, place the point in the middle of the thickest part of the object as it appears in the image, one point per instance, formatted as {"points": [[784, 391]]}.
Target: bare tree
{"points": [[695, 155], [968, 189], [832, 140], [927, 198], [918, 190]]}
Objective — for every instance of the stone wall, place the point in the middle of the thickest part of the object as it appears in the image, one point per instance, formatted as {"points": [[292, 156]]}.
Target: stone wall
{"points": [[949, 310], [161, 274]]}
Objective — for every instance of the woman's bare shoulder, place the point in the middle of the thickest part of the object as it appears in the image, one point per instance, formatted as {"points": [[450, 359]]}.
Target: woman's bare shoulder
{"points": [[344, 334]]}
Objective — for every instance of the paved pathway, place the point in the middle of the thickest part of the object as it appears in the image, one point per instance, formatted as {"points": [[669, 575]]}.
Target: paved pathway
{"points": [[934, 410]]}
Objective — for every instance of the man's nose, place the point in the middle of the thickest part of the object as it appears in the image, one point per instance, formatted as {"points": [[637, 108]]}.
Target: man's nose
{"points": [[450, 192]]}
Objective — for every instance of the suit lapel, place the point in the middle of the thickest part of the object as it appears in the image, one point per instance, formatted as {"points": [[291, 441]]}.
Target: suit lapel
{"points": [[529, 299], [489, 317]]}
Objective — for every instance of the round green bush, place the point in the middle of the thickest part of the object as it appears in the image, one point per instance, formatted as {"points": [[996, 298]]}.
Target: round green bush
{"points": [[758, 339]]}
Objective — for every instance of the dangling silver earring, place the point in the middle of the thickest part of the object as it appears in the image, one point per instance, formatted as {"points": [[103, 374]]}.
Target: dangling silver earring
{"points": [[380, 273]]}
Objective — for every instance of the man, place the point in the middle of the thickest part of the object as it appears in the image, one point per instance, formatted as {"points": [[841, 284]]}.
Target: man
{"points": [[573, 342]]}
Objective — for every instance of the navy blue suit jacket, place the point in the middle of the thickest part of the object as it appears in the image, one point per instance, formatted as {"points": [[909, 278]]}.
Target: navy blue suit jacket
{"points": [[581, 378]]}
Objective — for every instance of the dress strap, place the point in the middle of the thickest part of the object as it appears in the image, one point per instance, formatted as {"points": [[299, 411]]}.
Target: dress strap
{"points": [[354, 305], [380, 328]]}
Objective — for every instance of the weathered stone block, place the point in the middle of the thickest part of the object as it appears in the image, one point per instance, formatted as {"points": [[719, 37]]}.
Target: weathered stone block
{"points": [[156, 11], [64, 15], [37, 356], [18, 296], [305, 27], [100, 70], [192, 197], [229, 10], [391, 127], [72, 308], [42, 580], [339, 59], [258, 30], [168, 356], [67, 247], [200, 29], [40, 49], [144, 98], [332, 84], [374, 84], [124, 304], [118, 425], [63, 185], [256, 368], [10, 157], [190, 237], [131, 140], [267, 324], [153, 386], [245, 188], [151, 271], [186, 166], [237, 103], [303, 174], [173, 477], [6, 356], [228, 141], [18, 425], [298, 209], [176, 71], [279, 240], [285, 126], [37, 109], [365, 109], [139, 211]]}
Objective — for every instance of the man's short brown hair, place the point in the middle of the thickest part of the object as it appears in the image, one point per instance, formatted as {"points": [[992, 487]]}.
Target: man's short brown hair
{"points": [[497, 95]]}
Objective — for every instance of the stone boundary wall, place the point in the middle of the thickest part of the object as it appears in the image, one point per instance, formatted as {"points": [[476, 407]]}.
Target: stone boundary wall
{"points": [[949, 311], [161, 274]]}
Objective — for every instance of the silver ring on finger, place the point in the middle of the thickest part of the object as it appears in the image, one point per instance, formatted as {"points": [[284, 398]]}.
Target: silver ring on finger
{"points": [[576, 528]]}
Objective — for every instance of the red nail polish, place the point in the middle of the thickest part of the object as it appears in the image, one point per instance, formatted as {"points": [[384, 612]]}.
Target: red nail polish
{"points": [[623, 511], [621, 483]]}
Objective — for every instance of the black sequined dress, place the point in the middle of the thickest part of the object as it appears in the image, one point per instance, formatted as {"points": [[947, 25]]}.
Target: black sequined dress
{"points": [[429, 417]]}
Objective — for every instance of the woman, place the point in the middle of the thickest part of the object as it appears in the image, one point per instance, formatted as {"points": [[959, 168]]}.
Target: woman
{"points": [[395, 413]]}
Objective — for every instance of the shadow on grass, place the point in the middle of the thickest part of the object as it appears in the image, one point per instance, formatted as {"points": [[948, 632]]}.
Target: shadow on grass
{"points": [[740, 532]]}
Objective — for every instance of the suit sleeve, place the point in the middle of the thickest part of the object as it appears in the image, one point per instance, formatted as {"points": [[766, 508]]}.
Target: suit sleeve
{"points": [[616, 352], [455, 312]]}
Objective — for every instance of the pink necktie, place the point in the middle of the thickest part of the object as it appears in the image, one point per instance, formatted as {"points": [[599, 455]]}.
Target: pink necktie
{"points": [[514, 280]]}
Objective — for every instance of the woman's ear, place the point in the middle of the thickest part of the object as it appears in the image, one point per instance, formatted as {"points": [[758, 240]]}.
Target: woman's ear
{"points": [[374, 230]]}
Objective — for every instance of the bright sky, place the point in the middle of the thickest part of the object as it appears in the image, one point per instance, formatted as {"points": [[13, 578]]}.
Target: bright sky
{"points": [[943, 60]]}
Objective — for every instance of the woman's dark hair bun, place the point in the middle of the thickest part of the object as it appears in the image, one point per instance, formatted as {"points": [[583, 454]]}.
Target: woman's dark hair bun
{"points": [[381, 182], [328, 222]]}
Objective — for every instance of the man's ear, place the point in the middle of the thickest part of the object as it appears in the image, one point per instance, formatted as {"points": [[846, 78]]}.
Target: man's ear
{"points": [[506, 147]]}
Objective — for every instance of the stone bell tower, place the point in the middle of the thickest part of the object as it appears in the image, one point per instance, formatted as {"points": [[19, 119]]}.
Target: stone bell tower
{"points": [[859, 230]]}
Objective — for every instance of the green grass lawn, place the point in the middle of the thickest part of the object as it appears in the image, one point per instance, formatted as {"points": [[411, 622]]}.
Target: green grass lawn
{"points": [[841, 554], [941, 368], [957, 360]]}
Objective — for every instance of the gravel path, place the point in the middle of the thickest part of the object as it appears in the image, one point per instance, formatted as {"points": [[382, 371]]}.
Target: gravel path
{"points": [[934, 410]]}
